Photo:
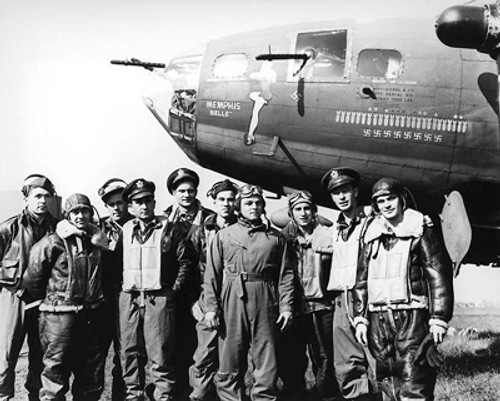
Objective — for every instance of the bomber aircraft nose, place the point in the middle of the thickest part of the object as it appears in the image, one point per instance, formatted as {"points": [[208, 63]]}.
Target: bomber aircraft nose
{"points": [[463, 26]]}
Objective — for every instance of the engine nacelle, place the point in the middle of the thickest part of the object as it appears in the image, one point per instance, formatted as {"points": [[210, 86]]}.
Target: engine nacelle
{"points": [[470, 27]]}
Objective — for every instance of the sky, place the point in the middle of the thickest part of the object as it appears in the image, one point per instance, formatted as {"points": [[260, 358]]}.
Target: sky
{"points": [[66, 112]]}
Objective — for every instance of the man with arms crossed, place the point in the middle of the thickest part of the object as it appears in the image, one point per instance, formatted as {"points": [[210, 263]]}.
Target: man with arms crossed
{"points": [[17, 315]]}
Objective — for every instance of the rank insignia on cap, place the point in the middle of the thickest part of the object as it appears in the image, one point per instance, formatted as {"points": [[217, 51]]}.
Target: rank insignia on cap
{"points": [[139, 184], [334, 175]]}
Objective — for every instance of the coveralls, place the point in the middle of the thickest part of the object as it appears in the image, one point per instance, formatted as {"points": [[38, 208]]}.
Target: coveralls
{"points": [[156, 268], [111, 289], [249, 278], [17, 236], [206, 357], [404, 284], [313, 328], [187, 224], [65, 272], [351, 364]]}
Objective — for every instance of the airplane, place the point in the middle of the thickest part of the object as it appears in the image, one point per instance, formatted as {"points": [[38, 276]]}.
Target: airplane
{"points": [[407, 98]]}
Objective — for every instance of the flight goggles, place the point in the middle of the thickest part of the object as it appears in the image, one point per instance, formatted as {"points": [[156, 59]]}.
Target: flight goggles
{"points": [[299, 197], [248, 190]]}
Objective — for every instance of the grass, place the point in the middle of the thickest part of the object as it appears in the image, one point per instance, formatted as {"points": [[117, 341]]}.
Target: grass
{"points": [[471, 371]]}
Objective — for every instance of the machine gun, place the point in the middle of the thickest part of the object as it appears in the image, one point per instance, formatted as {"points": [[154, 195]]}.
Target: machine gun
{"points": [[138, 63]]}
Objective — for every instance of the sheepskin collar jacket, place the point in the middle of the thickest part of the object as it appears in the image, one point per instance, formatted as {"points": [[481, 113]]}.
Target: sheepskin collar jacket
{"points": [[65, 269], [430, 272]]}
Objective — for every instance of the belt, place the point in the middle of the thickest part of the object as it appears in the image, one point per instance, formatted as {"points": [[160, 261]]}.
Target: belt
{"points": [[420, 302], [243, 277]]}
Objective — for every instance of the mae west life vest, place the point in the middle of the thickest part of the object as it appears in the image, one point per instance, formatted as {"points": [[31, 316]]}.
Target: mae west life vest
{"points": [[388, 273], [345, 260], [142, 262]]}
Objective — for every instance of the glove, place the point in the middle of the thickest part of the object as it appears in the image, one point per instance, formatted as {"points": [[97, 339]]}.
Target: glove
{"points": [[428, 352]]}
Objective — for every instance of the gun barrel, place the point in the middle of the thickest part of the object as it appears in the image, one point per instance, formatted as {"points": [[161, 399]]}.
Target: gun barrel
{"points": [[138, 63]]}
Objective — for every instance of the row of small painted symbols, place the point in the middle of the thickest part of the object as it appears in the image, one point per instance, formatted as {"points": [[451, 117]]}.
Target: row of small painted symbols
{"points": [[403, 135], [397, 120]]}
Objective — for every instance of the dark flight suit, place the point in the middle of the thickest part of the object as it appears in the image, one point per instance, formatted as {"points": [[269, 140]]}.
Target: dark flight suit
{"points": [[250, 277], [65, 272], [206, 356], [111, 289], [186, 224], [313, 327], [17, 236]]}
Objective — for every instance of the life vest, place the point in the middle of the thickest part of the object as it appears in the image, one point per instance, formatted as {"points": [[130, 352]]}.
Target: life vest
{"points": [[388, 273], [345, 260], [142, 262], [310, 273]]}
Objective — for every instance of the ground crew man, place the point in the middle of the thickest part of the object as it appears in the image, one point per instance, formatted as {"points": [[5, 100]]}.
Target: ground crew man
{"points": [[111, 195], [351, 364], [249, 281], [313, 327], [206, 358], [187, 215], [18, 315], [403, 297], [156, 267], [65, 272]]}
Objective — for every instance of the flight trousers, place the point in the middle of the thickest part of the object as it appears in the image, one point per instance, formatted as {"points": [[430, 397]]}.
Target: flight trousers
{"points": [[206, 362], [15, 323], [250, 323], [394, 337], [350, 360], [318, 326], [148, 327], [72, 344], [112, 338]]}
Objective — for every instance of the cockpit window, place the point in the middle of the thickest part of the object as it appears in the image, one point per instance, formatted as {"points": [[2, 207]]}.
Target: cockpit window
{"points": [[184, 72], [379, 63], [327, 55], [230, 65]]}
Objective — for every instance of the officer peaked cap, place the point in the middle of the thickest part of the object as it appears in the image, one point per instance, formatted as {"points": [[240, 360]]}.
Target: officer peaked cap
{"points": [[137, 189], [180, 175], [337, 177], [110, 187]]}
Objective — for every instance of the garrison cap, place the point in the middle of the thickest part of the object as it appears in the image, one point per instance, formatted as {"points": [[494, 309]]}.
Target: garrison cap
{"points": [[77, 201], [38, 181], [226, 185], [110, 187], [138, 188], [336, 177], [179, 175]]}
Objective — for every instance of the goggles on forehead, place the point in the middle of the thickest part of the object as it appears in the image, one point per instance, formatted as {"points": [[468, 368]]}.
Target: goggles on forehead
{"points": [[247, 190], [300, 196]]}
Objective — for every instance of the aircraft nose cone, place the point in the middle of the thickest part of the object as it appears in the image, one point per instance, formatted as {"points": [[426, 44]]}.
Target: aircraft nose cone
{"points": [[462, 26]]}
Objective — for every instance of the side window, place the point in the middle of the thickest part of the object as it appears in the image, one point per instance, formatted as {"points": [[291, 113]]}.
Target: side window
{"points": [[230, 65], [380, 63], [327, 55]]}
